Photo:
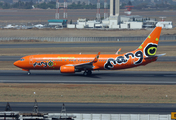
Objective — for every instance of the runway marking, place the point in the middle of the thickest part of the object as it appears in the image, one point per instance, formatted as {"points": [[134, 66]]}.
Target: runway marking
{"points": [[110, 82], [148, 75], [169, 75]]}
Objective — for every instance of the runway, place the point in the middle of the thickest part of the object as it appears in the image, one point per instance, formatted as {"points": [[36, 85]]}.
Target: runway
{"points": [[98, 44], [98, 77], [95, 108]]}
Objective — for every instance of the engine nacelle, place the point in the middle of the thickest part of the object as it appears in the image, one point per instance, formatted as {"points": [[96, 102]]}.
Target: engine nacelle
{"points": [[67, 69]]}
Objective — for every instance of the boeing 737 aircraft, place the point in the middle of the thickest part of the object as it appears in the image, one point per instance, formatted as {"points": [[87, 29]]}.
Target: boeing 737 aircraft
{"points": [[71, 63]]}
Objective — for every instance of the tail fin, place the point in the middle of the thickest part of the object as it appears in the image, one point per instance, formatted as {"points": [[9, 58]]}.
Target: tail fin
{"points": [[149, 46]]}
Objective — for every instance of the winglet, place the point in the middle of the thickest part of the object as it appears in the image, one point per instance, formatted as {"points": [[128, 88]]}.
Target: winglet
{"points": [[96, 58], [118, 51]]}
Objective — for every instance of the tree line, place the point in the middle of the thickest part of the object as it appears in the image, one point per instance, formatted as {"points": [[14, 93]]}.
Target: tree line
{"points": [[18, 5], [79, 5]]}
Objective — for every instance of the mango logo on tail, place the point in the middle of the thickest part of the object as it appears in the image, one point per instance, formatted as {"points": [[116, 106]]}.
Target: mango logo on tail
{"points": [[150, 49]]}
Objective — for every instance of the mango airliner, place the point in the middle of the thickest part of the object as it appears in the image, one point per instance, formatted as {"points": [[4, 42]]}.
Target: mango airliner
{"points": [[71, 63]]}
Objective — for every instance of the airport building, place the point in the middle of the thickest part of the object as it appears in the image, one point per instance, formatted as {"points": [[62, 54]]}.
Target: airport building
{"points": [[117, 21], [165, 24], [113, 21], [56, 22]]}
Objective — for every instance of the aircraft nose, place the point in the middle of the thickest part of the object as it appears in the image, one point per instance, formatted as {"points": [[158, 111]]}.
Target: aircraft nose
{"points": [[16, 63]]}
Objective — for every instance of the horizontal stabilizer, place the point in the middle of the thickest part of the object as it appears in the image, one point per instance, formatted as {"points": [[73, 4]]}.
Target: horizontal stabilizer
{"points": [[150, 57]]}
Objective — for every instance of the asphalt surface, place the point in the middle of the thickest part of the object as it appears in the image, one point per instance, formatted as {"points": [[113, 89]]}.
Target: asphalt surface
{"points": [[101, 108], [102, 77], [15, 58], [98, 77], [105, 44]]}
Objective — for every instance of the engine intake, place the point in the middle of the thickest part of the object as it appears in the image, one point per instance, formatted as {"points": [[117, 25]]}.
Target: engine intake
{"points": [[67, 69]]}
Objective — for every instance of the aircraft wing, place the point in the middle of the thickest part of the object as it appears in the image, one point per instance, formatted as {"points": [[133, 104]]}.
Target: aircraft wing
{"points": [[88, 65]]}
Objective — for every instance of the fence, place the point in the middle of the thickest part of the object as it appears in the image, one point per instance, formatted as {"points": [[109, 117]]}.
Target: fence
{"points": [[120, 116], [83, 39]]}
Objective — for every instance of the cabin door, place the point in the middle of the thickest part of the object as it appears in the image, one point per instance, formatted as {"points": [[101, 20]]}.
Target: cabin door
{"points": [[30, 60]]}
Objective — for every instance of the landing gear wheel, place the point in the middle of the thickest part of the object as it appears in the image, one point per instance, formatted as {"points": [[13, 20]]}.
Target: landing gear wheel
{"points": [[87, 73], [29, 73]]}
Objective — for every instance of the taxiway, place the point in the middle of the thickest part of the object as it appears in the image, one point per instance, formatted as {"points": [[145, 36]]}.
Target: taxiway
{"points": [[95, 108], [89, 44]]}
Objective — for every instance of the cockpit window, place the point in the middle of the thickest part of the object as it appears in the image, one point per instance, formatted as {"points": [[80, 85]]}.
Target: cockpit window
{"points": [[21, 59]]}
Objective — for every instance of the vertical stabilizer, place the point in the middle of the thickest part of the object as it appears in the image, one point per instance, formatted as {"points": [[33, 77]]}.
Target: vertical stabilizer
{"points": [[149, 46]]}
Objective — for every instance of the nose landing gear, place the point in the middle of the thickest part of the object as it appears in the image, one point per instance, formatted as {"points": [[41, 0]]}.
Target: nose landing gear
{"points": [[29, 73], [87, 73]]}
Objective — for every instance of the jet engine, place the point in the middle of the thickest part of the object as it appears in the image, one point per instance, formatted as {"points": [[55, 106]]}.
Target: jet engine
{"points": [[67, 69]]}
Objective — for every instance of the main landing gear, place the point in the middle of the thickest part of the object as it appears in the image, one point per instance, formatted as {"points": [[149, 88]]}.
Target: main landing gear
{"points": [[87, 73]]}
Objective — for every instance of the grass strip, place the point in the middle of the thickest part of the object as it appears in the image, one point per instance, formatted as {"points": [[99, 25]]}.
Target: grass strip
{"points": [[88, 93]]}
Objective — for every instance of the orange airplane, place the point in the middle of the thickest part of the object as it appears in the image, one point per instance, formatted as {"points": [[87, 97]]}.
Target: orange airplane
{"points": [[71, 63]]}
